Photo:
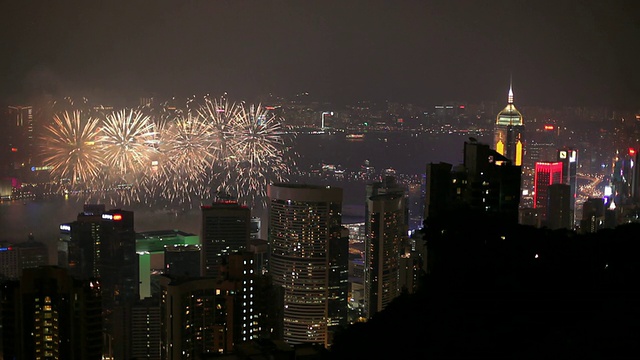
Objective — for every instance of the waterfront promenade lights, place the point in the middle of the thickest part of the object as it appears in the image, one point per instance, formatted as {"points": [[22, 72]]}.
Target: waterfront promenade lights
{"points": [[330, 113]]}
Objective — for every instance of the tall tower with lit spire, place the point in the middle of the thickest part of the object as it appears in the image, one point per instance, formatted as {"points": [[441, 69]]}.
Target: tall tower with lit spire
{"points": [[508, 139]]}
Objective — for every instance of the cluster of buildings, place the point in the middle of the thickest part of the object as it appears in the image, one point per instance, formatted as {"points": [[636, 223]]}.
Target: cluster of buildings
{"points": [[166, 294]]}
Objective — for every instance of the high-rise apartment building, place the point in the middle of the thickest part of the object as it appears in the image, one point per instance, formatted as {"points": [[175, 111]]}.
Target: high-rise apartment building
{"points": [[304, 223], [206, 316], [226, 227], [48, 314]]}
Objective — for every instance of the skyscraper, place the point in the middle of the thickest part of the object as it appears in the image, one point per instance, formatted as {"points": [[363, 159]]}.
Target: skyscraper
{"points": [[79, 247], [304, 222], [386, 226], [569, 158], [226, 227], [559, 214], [546, 173], [508, 134]]}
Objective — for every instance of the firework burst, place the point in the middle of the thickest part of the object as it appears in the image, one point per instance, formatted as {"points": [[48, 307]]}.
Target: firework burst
{"points": [[259, 149], [185, 149], [70, 148], [168, 155], [127, 142]]}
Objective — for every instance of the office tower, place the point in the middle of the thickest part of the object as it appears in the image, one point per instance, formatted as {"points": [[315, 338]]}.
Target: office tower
{"points": [[546, 173], [226, 227], [118, 273], [260, 250], [14, 258], [593, 213], [256, 228], [118, 265], [48, 314], [508, 134], [79, 247], [182, 260], [635, 175], [569, 159], [304, 220], [438, 185], [559, 214], [145, 329], [21, 132], [387, 234], [487, 182], [150, 247], [542, 145], [622, 177]]}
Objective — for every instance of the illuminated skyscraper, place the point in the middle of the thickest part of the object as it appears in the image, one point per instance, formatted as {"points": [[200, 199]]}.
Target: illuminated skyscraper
{"points": [[547, 173], [304, 223], [508, 133]]}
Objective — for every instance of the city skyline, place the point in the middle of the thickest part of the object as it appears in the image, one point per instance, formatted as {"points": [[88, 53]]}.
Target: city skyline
{"points": [[557, 53]]}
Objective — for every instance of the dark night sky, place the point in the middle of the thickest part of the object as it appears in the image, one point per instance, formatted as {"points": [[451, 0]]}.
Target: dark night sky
{"points": [[580, 52]]}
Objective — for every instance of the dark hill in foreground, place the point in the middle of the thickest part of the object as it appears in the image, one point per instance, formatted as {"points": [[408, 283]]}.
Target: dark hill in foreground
{"points": [[512, 292]]}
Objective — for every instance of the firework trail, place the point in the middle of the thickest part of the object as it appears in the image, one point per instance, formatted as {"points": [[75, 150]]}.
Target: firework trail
{"points": [[70, 148]]}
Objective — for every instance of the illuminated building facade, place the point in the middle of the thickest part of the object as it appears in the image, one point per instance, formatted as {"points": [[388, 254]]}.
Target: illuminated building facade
{"points": [[546, 173], [508, 135], [20, 137], [226, 227], [305, 221], [206, 316], [79, 246], [386, 227], [48, 314], [118, 258]]}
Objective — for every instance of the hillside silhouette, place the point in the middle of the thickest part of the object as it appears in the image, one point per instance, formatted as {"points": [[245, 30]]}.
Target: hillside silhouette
{"points": [[508, 291]]}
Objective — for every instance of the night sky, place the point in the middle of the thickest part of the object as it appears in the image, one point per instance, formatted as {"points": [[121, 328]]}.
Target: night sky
{"points": [[559, 52]]}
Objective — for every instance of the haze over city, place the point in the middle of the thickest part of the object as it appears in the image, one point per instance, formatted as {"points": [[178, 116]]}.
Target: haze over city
{"points": [[319, 179], [576, 53]]}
